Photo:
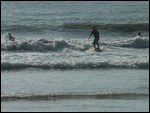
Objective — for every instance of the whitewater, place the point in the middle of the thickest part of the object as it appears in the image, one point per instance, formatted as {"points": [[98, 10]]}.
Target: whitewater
{"points": [[52, 66], [74, 54]]}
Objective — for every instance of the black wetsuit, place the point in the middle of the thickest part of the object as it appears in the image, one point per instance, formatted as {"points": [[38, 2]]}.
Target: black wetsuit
{"points": [[96, 35]]}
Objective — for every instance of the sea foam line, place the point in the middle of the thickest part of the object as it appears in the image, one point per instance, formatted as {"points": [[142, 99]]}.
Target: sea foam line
{"points": [[75, 65]]}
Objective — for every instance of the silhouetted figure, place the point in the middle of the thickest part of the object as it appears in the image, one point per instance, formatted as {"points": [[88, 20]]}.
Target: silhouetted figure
{"points": [[10, 37], [96, 37], [139, 34]]}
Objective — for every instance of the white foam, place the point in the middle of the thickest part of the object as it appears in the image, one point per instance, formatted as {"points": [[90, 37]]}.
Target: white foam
{"points": [[136, 42], [44, 45]]}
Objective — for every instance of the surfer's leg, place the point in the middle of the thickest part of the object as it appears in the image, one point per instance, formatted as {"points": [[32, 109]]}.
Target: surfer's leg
{"points": [[98, 45], [94, 44]]}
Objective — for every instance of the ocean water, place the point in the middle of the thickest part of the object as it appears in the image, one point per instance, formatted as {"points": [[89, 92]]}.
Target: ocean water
{"points": [[52, 66]]}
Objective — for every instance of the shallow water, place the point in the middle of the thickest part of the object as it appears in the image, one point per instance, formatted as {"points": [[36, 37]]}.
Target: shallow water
{"points": [[78, 90]]}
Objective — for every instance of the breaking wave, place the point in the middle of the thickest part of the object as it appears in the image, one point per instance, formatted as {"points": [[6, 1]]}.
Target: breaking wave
{"points": [[58, 45], [137, 42], [44, 45]]}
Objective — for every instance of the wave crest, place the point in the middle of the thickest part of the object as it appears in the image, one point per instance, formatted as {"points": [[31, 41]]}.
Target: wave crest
{"points": [[44, 45], [136, 42], [74, 26], [58, 45], [109, 27], [34, 97], [74, 65]]}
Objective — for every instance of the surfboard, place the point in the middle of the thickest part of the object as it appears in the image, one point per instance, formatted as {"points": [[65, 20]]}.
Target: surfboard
{"points": [[97, 50]]}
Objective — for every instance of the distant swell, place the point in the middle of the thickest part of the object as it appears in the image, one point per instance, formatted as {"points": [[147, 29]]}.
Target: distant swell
{"points": [[37, 97], [74, 26], [74, 65], [109, 27]]}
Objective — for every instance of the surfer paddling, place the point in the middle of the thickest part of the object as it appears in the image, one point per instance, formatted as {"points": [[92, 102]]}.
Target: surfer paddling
{"points": [[139, 34], [96, 37], [10, 37]]}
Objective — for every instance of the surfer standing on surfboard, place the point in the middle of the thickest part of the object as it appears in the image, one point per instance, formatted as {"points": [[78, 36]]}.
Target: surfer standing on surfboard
{"points": [[96, 37]]}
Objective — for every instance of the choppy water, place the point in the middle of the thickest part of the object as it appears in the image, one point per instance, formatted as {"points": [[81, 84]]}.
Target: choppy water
{"points": [[52, 35]]}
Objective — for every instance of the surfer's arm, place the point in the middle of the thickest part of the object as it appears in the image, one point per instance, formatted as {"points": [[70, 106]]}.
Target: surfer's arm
{"points": [[90, 35]]}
